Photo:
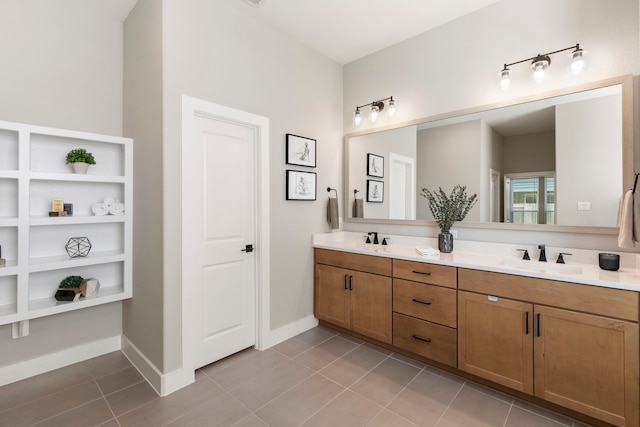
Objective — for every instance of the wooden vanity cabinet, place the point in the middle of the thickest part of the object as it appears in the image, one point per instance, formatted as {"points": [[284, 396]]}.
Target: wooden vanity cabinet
{"points": [[495, 339], [349, 295], [542, 337], [424, 306]]}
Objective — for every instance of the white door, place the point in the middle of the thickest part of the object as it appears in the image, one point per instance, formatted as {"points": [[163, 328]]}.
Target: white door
{"points": [[219, 193], [402, 189]]}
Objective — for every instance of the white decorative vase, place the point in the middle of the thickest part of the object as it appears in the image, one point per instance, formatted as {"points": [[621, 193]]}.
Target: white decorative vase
{"points": [[80, 167], [90, 287]]}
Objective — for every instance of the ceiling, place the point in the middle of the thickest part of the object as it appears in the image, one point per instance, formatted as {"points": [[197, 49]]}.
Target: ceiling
{"points": [[346, 30]]}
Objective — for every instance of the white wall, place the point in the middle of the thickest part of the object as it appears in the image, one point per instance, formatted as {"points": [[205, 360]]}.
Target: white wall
{"points": [[61, 67], [143, 314], [455, 66], [587, 134], [217, 51], [532, 152], [448, 156]]}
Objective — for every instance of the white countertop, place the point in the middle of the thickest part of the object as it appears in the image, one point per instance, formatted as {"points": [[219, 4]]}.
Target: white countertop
{"points": [[581, 267]]}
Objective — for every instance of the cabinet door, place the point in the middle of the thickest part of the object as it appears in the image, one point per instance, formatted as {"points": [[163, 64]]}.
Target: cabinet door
{"points": [[495, 339], [370, 296], [587, 363], [331, 287]]}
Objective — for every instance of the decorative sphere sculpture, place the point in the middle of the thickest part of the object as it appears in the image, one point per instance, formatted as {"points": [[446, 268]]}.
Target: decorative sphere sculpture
{"points": [[78, 247]]}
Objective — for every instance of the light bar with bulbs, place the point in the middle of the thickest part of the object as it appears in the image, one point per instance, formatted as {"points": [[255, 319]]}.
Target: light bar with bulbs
{"points": [[376, 108], [541, 62]]}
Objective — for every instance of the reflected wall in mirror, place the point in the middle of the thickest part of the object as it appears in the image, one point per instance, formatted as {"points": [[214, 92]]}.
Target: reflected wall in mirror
{"points": [[553, 160]]}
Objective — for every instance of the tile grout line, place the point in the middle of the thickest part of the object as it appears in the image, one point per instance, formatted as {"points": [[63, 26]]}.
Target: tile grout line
{"points": [[106, 401], [449, 405]]}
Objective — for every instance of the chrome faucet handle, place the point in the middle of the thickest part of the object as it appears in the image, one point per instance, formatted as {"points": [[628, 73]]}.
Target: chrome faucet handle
{"points": [[526, 254], [560, 257]]}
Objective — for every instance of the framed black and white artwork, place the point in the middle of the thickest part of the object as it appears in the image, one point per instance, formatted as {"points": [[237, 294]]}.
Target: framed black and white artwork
{"points": [[301, 151], [375, 165], [375, 191], [301, 185]]}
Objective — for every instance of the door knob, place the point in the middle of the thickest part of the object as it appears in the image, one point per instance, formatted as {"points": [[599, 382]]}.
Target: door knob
{"points": [[247, 248]]}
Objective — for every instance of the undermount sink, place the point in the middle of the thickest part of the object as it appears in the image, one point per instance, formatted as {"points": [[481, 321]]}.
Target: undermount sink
{"points": [[542, 267]]}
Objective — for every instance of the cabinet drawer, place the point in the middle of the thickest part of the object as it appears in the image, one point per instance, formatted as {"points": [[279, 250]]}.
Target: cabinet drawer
{"points": [[424, 272], [427, 302], [367, 263], [617, 303], [427, 339]]}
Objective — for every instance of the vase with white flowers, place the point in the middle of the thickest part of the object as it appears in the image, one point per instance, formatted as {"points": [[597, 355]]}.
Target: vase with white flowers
{"points": [[447, 209]]}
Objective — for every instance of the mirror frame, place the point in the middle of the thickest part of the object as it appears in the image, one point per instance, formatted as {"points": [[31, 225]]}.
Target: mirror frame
{"points": [[626, 83]]}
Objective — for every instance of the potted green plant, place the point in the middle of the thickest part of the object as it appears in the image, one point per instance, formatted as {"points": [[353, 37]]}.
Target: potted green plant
{"points": [[80, 159], [447, 209], [72, 283], [69, 288]]}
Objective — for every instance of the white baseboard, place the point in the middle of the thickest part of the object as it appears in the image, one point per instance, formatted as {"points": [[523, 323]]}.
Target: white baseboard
{"points": [[290, 330], [163, 384], [60, 359]]}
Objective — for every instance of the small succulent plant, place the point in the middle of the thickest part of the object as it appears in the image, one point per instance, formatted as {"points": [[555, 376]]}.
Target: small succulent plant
{"points": [[78, 155], [71, 282]]}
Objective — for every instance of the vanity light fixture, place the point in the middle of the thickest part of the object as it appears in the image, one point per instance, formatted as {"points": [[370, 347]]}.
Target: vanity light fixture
{"points": [[375, 108], [541, 62]]}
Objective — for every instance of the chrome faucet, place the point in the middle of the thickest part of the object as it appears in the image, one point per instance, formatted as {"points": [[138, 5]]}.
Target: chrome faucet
{"points": [[543, 253]]}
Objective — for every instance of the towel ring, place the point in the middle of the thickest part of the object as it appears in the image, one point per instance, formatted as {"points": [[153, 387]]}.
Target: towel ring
{"points": [[329, 189]]}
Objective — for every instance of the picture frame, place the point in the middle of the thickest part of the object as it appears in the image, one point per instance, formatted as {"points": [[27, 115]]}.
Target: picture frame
{"points": [[375, 165], [301, 185], [300, 151], [375, 191]]}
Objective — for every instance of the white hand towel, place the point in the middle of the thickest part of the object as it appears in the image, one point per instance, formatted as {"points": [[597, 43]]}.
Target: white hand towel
{"points": [[116, 209], [99, 209], [109, 201], [332, 213], [626, 236], [427, 251]]}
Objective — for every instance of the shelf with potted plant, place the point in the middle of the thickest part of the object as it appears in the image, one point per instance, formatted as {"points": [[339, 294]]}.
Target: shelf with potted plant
{"points": [[33, 174]]}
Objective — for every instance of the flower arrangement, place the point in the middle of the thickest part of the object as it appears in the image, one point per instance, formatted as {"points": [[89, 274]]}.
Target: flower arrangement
{"points": [[447, 209]]}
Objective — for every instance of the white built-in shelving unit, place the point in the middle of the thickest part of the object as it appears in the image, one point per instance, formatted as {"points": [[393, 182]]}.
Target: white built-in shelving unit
{"points": [[33, 172]]}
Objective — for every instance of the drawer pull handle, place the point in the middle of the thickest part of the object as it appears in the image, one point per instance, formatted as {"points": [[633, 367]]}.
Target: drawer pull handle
{"points": [[526, 321], [422, 272], [538, 322], [427, 340], [421, 302]]}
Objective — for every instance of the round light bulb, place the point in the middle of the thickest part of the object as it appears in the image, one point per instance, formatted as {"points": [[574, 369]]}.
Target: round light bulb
{"points": [[373, 115], [505, 79], [391, 108], [577, 64], [538, 73]]}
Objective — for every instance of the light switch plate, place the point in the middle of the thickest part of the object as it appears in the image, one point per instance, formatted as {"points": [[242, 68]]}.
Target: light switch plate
{"points": [[584, 206]]}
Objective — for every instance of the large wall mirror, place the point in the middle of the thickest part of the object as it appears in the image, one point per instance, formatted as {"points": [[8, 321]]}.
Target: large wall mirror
{"points": [[561, 159]]}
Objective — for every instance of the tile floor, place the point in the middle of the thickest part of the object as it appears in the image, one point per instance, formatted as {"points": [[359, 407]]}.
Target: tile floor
{"points": [[318, 378]]}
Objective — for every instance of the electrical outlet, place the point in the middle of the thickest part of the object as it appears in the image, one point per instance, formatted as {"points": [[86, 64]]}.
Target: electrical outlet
{"points": [[454, 233], [584, 206]]}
